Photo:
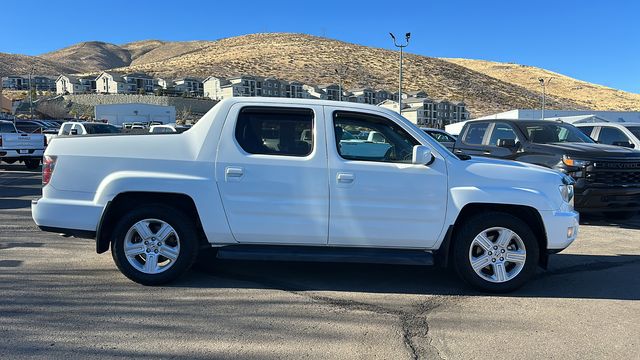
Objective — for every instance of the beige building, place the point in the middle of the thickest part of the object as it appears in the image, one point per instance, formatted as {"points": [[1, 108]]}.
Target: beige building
{"points": [[69, 84], [430, 113]]}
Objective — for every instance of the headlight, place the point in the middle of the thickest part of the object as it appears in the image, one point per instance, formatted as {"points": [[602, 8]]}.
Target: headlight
{"points": [[573, 162], [566, 191]]}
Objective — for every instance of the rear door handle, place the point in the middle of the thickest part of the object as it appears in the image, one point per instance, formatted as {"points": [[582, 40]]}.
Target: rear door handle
{"points": [[233, 173], [345, 178], [486, 152]]}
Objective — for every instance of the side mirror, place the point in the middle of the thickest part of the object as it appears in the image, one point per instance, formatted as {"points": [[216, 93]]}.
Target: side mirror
{"points": [[74, 131], [626, 144], [506, 143], [422, 155]]}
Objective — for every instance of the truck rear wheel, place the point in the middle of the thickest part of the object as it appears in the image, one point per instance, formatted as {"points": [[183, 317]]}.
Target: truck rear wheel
{"points": [[495, 252], [32, 164], [154, 244]]}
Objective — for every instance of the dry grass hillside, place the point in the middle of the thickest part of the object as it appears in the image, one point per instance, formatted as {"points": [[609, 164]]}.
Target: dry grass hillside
{"points": [[486, 87], [585, 94], [313, 59], [12, 64], [91, 56]]}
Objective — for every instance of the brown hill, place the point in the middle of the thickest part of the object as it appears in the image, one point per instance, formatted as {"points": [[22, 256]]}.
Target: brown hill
{"points": [[585, 94], [312, 59], [485, 86], [13, 64], [91, 56]]}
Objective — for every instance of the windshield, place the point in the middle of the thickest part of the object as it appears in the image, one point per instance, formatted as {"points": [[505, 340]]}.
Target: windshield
{"points": [[101, 129], [7, 128], [440, 137], [555, 133], [635, 130]]}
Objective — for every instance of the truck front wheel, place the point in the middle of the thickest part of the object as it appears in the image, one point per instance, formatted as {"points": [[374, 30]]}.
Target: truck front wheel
{"points": [[154, 244], [495, 252]]}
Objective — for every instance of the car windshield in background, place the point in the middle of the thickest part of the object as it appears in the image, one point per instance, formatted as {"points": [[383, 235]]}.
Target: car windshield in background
{"points": [[635, 130], [7, 128], [101, 129], [555, 133], [440, 137]]}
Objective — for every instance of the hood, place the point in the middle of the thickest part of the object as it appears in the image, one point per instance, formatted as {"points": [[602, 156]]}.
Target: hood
{"points": [[587, 150]]}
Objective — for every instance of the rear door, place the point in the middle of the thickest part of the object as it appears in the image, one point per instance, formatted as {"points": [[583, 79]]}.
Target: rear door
{"points": [[271, 172], [473, 140]]}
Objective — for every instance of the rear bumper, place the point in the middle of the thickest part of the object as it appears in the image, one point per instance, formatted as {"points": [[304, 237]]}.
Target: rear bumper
{"points": [[72, 217], [16, 155], [608, 199], [561, 228]]}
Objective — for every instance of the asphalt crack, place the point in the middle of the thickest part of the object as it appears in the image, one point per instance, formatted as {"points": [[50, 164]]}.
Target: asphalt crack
{"points": [[413, 323]]}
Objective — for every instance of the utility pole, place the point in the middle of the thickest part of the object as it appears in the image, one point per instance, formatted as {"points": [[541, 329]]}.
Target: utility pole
{"points": [[544, 83], [341, 71], [407, 36], [31, 94]]}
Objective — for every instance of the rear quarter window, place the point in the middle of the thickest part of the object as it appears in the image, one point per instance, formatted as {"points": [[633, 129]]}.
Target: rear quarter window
{"points": [[275, 131]]}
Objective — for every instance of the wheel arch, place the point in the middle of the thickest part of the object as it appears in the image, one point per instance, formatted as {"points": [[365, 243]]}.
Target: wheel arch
{"points": [[128, 200], [525, 213]]}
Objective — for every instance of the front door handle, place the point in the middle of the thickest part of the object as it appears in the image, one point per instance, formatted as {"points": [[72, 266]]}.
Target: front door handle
{"points": [[345, 178], [486, 152], [233, 173]]}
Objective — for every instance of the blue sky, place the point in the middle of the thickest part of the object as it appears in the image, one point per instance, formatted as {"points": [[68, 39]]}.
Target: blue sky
{"points": [[596, 41]]}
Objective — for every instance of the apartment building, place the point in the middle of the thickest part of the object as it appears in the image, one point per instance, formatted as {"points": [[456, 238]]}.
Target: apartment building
{"points": [[69, 84], [332, 91], [189, 85], [430, 113], [24, 82], [315, 92], [363, 96]]}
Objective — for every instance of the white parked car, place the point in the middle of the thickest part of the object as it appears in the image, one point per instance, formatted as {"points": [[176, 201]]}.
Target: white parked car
{"points": [[162, 129], [249, 183], [609, 133], [17, 146]]}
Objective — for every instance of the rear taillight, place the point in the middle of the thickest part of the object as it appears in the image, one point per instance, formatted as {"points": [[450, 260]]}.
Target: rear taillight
{"points": [[48, 165]]}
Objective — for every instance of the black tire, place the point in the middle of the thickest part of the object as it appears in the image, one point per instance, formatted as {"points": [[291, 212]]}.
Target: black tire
{"points": [[183, 226], [32, 164], [620, 215], [469, 229]]}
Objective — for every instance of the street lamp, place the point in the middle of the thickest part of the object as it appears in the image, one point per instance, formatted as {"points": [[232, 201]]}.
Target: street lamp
{"points": [[407, 36], [544, 84]]}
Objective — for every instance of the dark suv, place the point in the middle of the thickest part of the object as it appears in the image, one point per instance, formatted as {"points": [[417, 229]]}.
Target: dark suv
{"points": [[607, 177]]}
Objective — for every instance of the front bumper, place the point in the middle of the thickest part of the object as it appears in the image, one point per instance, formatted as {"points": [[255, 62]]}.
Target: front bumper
{"points": [[608, 199], [72, 217], [561, 228]]}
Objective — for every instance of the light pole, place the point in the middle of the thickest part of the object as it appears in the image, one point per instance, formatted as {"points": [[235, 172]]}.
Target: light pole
{"points": [[544, 84], [407, 36], [31, 94]]}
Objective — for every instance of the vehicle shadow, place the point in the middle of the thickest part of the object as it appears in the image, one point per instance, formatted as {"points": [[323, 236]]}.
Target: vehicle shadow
{"points": [[600, 220], [569, 276]]}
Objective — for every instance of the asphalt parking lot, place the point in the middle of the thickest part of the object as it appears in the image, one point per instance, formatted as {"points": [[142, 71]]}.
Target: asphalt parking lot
{"points": [[59, 299]]}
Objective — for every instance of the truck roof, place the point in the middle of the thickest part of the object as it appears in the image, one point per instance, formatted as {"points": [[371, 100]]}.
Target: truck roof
{"points": [[276, 100]]}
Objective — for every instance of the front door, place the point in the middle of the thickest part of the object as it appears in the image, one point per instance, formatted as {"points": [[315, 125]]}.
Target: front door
{"points": [[272, 176], [378, 197]]}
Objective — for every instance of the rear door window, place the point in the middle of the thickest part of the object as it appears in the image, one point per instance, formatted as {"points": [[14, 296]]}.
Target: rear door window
{"points": [[502, 131], [275, 131], [475, 133]]}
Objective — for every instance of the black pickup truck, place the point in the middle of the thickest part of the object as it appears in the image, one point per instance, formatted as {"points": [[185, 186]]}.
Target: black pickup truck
{"points": [[607, 177]]}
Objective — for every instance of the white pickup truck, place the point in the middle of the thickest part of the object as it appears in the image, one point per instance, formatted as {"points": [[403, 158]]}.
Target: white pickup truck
{"points": [[157, 201], [16, 146]]}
